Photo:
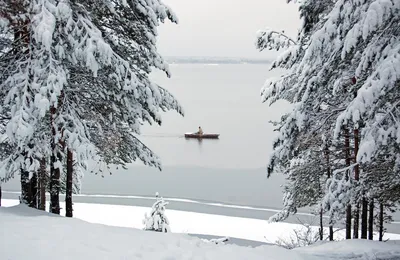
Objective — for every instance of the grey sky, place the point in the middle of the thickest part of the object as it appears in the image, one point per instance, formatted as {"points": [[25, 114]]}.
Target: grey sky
{"points": [[224, 27]]}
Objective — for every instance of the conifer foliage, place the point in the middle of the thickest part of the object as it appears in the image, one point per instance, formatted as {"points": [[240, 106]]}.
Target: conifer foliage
{"points": [[343, 82], [74, 86]]}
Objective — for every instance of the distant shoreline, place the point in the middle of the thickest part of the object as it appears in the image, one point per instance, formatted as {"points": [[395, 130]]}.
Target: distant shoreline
{"points": [[215, 60]]}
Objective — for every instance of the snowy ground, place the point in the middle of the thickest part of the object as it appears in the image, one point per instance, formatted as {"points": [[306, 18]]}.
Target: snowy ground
{"points": [[189, 222], [30, 234], [181, 221], [247, 194]]}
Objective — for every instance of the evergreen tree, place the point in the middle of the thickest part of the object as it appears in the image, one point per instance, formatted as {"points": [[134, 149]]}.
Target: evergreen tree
{"points": [[70, 70], [342, 77], [157, 220]]}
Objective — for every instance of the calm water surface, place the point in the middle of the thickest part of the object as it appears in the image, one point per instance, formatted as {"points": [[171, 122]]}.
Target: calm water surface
{"points": [[222, 99]]}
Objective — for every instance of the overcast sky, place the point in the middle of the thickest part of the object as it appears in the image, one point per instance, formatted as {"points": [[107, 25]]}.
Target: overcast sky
{"points": [[225, 28]]}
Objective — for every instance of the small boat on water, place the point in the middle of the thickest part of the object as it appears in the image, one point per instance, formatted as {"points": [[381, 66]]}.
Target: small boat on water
{"points": [[202, 136]]}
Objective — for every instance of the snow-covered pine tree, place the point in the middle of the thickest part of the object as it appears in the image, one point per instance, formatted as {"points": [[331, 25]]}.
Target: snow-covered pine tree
{"points": [[305, 176], [157, 220], [77, 56], [372, 42], [344, 60], [383, 188], [293, 151]]}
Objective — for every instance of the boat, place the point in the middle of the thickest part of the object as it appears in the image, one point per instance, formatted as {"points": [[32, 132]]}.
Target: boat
{"points": [[202, 136]]}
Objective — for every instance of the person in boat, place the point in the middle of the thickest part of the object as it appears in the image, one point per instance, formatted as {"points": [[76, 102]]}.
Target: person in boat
{"points": [[200, 132]]}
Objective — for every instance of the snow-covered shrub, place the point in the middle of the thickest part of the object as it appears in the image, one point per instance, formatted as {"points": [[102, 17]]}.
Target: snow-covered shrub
{"points": [[304, 235], [157, 221]]}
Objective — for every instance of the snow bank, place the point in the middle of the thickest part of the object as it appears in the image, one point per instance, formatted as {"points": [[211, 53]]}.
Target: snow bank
{"points": [[189, 222], [354, 249], [181, 221], [43, 236], [30, 234]]}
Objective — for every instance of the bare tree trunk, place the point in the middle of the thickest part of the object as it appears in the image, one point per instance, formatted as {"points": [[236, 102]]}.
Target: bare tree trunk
{"points": [[371, 220], [33, 191], [356, 221], [68, 195], [347, 154], [348, 222], [321, 225], [357, 178], [42, 184], [0, 194], [54, 173], [364, 219], [380, 221], [25, 187], [328, 171]]}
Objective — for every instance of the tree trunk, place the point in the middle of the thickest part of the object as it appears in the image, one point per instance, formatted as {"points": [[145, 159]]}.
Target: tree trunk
{"points": [[371, 220], [356, 167], [364, 219], [328, 171], [356, 178], [380, 221], [54, 187], [348, 222], [0, 194], [356, 221], [42, 184], [347, 158], [33, 191], [54, 173], [25, 187], [321, 225], [68, 195]]}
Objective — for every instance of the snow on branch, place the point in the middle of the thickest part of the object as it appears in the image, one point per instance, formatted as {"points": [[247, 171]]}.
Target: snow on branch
{"points": [[273, 40]]}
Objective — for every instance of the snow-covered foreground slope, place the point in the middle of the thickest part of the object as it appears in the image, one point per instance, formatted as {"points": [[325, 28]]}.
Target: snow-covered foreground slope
{"points": [[30, 234], [189, 222]]}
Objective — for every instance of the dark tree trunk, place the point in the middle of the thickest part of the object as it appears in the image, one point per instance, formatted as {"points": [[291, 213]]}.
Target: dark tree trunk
{"points": [[0, 194], [330, 233], [321, 225], [54, 187], [356, 167], [380, 221], [328, 171], [25, 187], [356, 221], [68, 195], [364, 219], [371, 220], [348, 222], [42, 185], [347, 155], [33, 191], [54, 173], [356, 178]]}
